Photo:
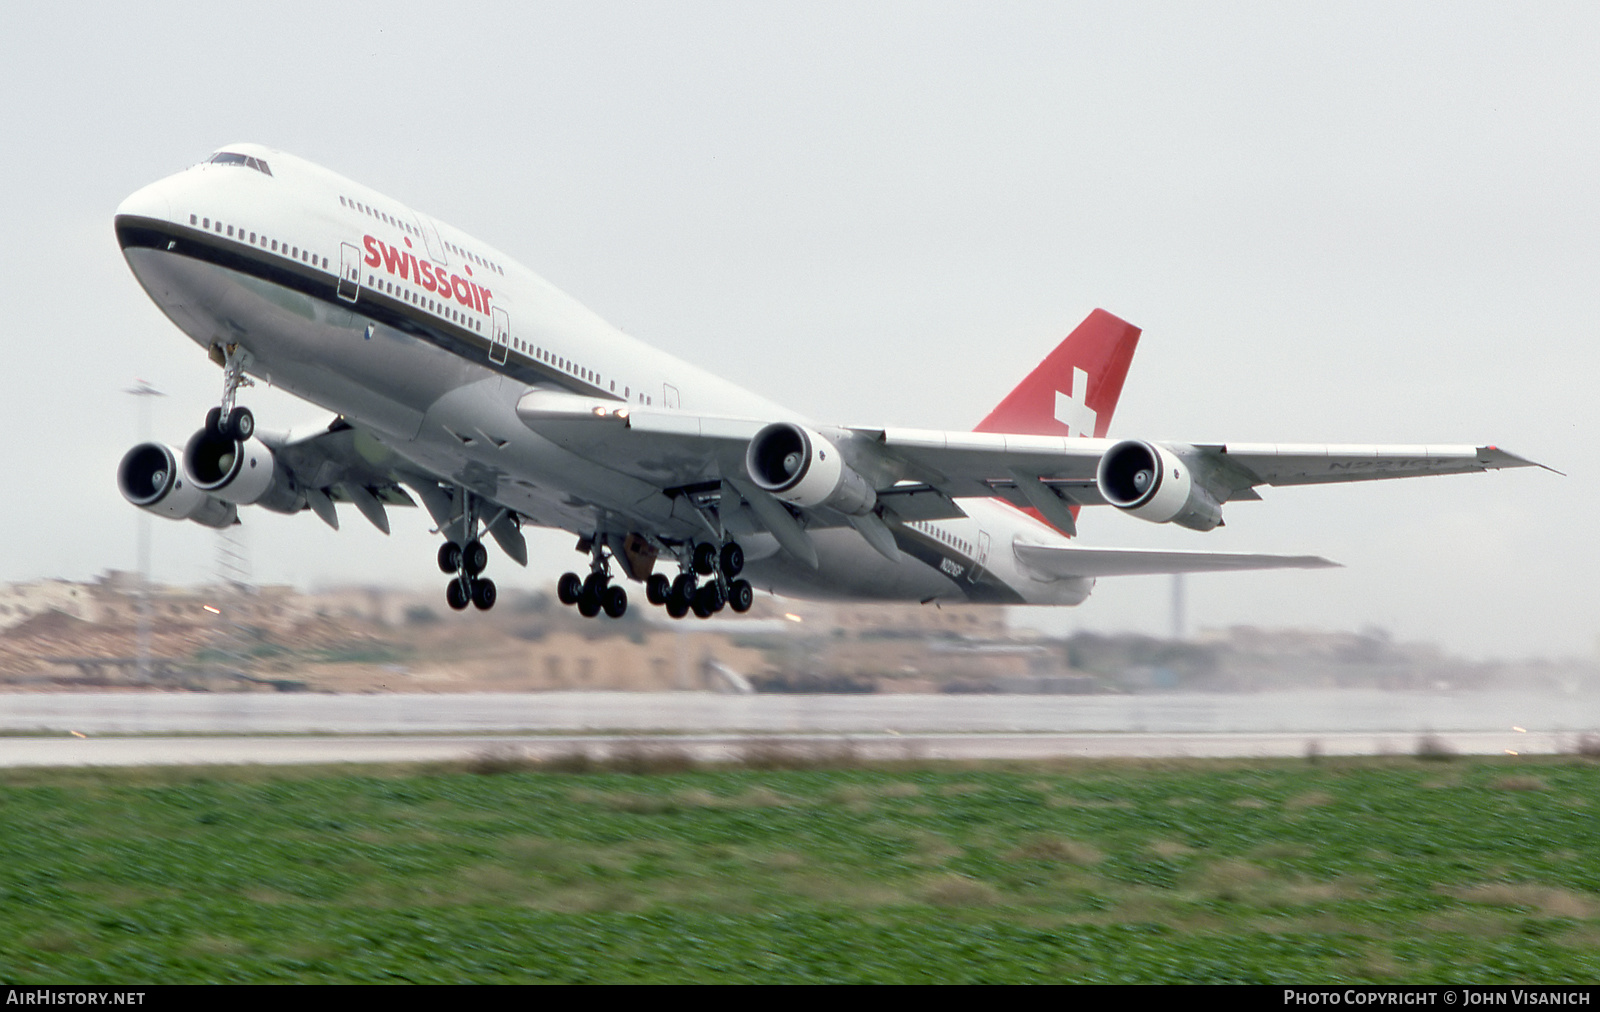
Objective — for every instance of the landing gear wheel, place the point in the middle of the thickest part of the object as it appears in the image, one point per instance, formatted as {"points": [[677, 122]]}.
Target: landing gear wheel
{"points": [[588, 603], [732, 559], [457, 595], [449, 557], [214, 422], [716, 599], [241, 424], [741, 596], [701, 606], [683, 586], [657, 588], [483, 594], [615, 601], [568, 588], [475, 556], [681, 596], [705, 558]]}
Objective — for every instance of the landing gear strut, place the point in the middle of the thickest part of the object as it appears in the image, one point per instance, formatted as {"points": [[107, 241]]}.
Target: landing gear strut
{"points": [[231, 421], [465, 561]]}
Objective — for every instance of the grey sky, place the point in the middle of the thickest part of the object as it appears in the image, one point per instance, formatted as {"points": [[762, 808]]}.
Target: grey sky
{"points": [[1344, 222]]}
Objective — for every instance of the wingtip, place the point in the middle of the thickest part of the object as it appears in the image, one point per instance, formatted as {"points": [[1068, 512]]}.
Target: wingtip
{"points": [[1492, 456]]}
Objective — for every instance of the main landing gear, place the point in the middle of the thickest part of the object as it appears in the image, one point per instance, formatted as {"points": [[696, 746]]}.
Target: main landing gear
{"points": [[465, 562], [681, 595], [594, 593], [687, 593]]}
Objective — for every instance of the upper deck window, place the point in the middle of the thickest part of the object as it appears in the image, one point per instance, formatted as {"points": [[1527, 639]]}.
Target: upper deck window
{"points": [[234, 158]]}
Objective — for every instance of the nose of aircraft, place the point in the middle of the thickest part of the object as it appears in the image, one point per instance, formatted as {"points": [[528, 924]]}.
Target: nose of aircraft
{"points": [[147, 202]]}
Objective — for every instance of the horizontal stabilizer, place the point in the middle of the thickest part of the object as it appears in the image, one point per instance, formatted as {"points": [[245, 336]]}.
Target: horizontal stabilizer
{"points": [[1065, 561]]}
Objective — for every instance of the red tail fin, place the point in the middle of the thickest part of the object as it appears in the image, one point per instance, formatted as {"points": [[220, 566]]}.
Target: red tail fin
{"points": [[1075, 389]]}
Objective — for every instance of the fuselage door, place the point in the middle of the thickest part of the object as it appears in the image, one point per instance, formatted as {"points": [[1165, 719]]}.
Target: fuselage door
{"points": [[669, 396], [349, 272], [500, 328], [430, 239], [982, 557]]}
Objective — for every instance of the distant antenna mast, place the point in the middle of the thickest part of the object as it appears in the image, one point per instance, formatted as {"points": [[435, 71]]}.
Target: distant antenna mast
{"points": [[144, 392]]}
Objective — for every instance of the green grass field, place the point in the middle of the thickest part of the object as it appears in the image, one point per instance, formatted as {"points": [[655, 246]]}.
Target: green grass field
{"points": [[1466, 871]]}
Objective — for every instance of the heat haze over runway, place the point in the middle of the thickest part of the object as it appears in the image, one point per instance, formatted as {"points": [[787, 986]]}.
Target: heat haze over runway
{"points": [[161, 729]]}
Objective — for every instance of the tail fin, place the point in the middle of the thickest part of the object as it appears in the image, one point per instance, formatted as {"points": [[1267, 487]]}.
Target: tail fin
{"points": [[1075, 389]]}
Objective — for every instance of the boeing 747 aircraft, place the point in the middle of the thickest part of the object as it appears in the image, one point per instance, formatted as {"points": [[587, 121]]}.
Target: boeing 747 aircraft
{"points": [[463, 380]]}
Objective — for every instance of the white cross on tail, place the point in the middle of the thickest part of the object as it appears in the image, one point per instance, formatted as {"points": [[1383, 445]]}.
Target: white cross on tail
{"points": [[1073, 410]]}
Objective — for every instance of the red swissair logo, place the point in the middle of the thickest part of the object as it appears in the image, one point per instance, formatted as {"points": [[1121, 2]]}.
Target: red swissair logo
{"points": [[405, 265]]}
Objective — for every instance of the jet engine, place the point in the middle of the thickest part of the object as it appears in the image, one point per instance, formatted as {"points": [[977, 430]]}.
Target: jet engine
{"points": [[239, 471], [1155, 484], [803, 467], [149, 477]]}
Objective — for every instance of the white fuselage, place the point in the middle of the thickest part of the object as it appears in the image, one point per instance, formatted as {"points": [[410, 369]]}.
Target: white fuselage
{"points": [[428, 338]]}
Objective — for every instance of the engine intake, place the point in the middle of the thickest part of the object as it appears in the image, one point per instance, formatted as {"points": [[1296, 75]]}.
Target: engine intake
{"points": [[150, 478], [803, 467], [239, 471], [1154, 484]]}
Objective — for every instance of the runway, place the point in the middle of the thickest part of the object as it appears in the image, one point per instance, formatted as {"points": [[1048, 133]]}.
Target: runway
{"points": [[121, 729], [157, 750]]}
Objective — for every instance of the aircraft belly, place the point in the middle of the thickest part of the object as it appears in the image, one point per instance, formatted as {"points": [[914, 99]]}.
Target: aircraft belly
{"points": [[327, 354], [849, 569]]}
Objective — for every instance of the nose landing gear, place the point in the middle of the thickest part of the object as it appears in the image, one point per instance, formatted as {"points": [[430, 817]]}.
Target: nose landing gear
{"points": [[228, 420]]}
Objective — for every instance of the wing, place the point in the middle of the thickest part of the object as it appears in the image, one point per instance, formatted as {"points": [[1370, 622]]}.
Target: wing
{"points": [[917, 474], [1313, 464], [976, 463]]}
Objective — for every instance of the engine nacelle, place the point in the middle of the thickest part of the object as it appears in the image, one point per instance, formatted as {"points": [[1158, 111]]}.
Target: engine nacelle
{"points": [[242, 472], [1154, 484], [802, 467], [150, 478]]}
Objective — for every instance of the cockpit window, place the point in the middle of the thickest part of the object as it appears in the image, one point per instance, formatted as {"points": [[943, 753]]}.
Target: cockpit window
{"points": [[234, 158]]}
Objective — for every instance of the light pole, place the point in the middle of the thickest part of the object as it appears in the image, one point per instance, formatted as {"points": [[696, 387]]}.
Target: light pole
{"points": [[144, 391]]}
